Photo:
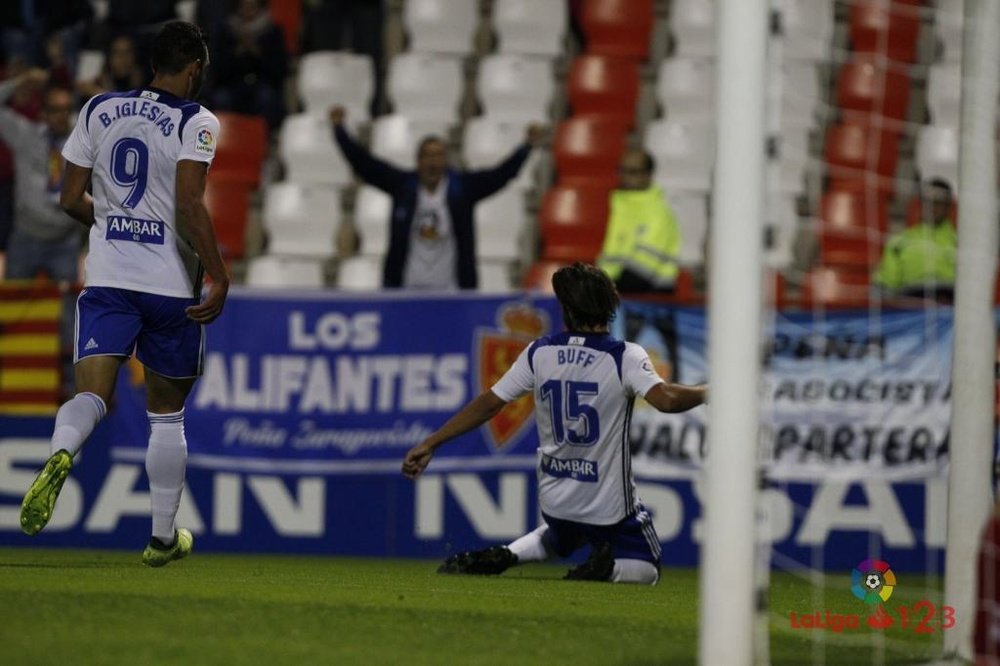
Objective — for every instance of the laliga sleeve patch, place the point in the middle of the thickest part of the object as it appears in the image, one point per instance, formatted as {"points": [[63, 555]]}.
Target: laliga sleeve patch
{"points": [[205, 142]]}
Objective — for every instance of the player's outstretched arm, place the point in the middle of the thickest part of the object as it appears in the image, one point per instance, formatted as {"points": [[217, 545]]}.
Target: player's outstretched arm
{"points": [[675, 398], [73, 197], [195, 224], [482, 408]]}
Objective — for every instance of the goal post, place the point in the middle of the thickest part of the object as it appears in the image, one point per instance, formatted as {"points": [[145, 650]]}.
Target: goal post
{"points": [[972, 429], [727, 573]]}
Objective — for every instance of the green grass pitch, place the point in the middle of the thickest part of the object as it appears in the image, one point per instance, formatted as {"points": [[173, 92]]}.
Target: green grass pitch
{"points": [[100, 607]]}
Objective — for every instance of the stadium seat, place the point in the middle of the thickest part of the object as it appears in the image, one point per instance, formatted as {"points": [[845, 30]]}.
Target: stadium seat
{"points": [[602, 86], [781, 228], [948, 26], [858, 152], [836, 287], [395, 138], [500, 225], [692, 23], [944, 94], [494, 277], [587, 151], [530, 27], [685, 90], [301, 220], [486, 142], [684, 155], [515, 88], [89, 63], [242, 147], [852, 226], [271, 271], [288, 16], [334, 78], [806, 29], [937, 153], [228, 203], [572, 221], [360, 274], [425, 87], [791, 143], [691, 213], [538, 277], [865, 86], [308, 151], [618, 28], [441, 26], [372, 208], [888, 29]]}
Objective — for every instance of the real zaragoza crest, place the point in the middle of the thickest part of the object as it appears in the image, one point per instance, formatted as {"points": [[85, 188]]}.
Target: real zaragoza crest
{"points": [[497, 349]]}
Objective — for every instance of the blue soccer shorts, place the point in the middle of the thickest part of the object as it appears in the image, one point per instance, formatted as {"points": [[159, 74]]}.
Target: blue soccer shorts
{"points": [[116, 322], [632, 539]]}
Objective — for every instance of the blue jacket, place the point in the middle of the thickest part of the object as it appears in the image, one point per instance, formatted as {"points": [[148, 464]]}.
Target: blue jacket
{"points": [[465, 190]]}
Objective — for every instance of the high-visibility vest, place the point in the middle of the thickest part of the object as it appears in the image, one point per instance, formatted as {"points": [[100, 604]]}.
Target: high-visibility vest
{"points": [[643, 236], [918, 257]]}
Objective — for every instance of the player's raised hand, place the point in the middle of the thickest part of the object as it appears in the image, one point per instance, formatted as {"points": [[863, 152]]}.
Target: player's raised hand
{"points": [[417, 459], [209, 309], [337, 115]]}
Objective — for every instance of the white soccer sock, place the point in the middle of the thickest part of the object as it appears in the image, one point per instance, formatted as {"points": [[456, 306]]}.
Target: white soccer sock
{"points": [[75, 420], [635, 571], [166, 459], [531, 547]]}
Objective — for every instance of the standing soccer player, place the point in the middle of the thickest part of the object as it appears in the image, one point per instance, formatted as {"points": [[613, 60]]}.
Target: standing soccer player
{"points": [[146, 154], [584, 384]]}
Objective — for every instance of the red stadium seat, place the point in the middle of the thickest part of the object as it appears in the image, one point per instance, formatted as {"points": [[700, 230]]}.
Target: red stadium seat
{"points": [[228, 204], [856, 151], [888, 29], [572, 221], [287, 14], [866, 86], [852, 227], [242, 148], [587, 151], [618, 28], [602, 86], [836, 287]]}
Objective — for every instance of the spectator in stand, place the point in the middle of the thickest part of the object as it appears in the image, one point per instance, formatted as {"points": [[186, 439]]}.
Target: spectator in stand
{"points": [[250, 64], [121, 70], [431, 234], [920, 260], [642, 240], [44, 237], [141, 20], [29, 27]]}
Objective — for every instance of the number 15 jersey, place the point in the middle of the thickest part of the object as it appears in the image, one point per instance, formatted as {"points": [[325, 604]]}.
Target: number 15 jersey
{"points": [[132, 141], [584, 389]]}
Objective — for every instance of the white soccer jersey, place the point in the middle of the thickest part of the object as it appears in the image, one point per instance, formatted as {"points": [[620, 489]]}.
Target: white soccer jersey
{"points": [[133, 141], [584, 389]]}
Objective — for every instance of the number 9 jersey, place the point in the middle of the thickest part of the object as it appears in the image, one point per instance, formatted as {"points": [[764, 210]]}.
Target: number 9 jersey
{"points": [[584, 388], [132, 141]]}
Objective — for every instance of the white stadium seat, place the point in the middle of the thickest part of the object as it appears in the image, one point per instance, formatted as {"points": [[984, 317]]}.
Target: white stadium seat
{"points": [[395, 138], [301, 220], [309, 153], [515, 88], [531, 27], [372, 208], [89, 65], [684, 155], [272, 271], [360, 274], [441, 26], [333, 78], [691, 213], [685, 89], [781, 222], [500, 223], [692, 23], [807, 28], [948, 25], [487, 142], [793, 92], [494, 277], [944, 93], [425, 87], [937, 153]]}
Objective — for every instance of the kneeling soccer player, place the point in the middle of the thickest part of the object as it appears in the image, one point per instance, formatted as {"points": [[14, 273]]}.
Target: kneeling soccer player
{"points": [[584, 384]]}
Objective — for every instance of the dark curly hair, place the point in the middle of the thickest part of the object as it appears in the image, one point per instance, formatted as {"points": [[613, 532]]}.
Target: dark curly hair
{"points": [[177, 45], [587, 295]]}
